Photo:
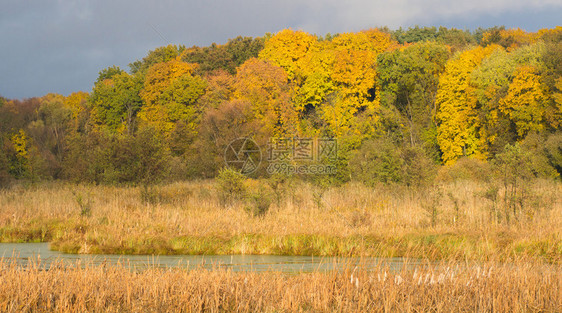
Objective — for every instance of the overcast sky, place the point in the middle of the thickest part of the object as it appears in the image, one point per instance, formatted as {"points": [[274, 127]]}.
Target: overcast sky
{"points": [[60, 46]]}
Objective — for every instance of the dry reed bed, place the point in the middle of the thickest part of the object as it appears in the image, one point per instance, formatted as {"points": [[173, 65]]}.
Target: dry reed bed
{"points": [[518, 287], [187, 218]]}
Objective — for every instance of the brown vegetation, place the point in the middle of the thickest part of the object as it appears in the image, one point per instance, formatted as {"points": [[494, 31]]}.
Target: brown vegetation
{"points": [[519, 287], [457, 220]]}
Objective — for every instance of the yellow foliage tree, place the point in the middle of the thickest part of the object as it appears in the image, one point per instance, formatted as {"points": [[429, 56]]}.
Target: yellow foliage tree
{"points": [[336, 76], [76, 103], [372, 40], [353, 78], [266, 87], [158, 83], [288, 49], [219, 89], [526, 101], [511, 39], [316, 72], [456, 100], [52, 97], [21, 166], [339, 79], [160, 76], [550, 33], [19, 140]]}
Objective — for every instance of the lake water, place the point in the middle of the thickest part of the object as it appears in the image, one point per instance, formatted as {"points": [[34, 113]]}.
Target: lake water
{"points": [[23, 253]]}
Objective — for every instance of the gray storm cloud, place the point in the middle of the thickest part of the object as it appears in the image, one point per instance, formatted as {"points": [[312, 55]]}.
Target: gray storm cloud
{"points": [[60, 46]]}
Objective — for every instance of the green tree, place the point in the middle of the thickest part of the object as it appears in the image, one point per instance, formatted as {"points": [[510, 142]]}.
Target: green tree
{"points": [[417, 168], [510, 39], [551, 77], [492, 80], [553, 151], [415, 34], [408, 79], [108, 73], [541, 148], [184, 112], [17, 114], [514, 167], [242, 49], [479, 34], [4, 165], [110, 158], [25, 161], [48, 132], [144, 157], [115, 102], [88, 158], [212, 58], [183, 92], [455, 38], [158, 55], [554, 110], [230, 186], [225, 57]]}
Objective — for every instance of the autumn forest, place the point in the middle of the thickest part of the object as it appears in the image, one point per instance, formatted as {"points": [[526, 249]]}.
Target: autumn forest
{"points": [[446, 194], [401, 103]]}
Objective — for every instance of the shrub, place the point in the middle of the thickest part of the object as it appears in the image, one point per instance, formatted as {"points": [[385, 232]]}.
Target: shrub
{"points": [[553, 151], [466, 168], [258, 202], [84, 204], [492, 194], [543, 154], [377, 161], [514, 167], [178, 169], [101, 157], [149, 195], [431, 203], [230, 186], [514, 164], [382, 161], [277, 183], [5, 176], [4, 168], [142, 158], [417, 169]]}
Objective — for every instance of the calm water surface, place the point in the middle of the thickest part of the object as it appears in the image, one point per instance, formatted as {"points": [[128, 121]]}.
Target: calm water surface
{"points": [[23, 253]]}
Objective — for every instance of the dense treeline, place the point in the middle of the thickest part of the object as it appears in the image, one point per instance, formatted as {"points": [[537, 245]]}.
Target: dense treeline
{"points": [[399, 103]]}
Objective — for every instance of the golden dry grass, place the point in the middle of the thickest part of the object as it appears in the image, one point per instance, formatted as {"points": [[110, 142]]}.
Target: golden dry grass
{"points": [[517, 287], [187, 217], [351, 220]]}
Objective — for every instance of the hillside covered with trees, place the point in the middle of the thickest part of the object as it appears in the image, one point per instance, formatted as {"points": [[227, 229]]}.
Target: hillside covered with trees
{"points": [[400, 103]]}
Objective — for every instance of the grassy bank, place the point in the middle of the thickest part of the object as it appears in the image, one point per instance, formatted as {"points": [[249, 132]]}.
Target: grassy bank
{"points": [[520, 287], [457, 221]]}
